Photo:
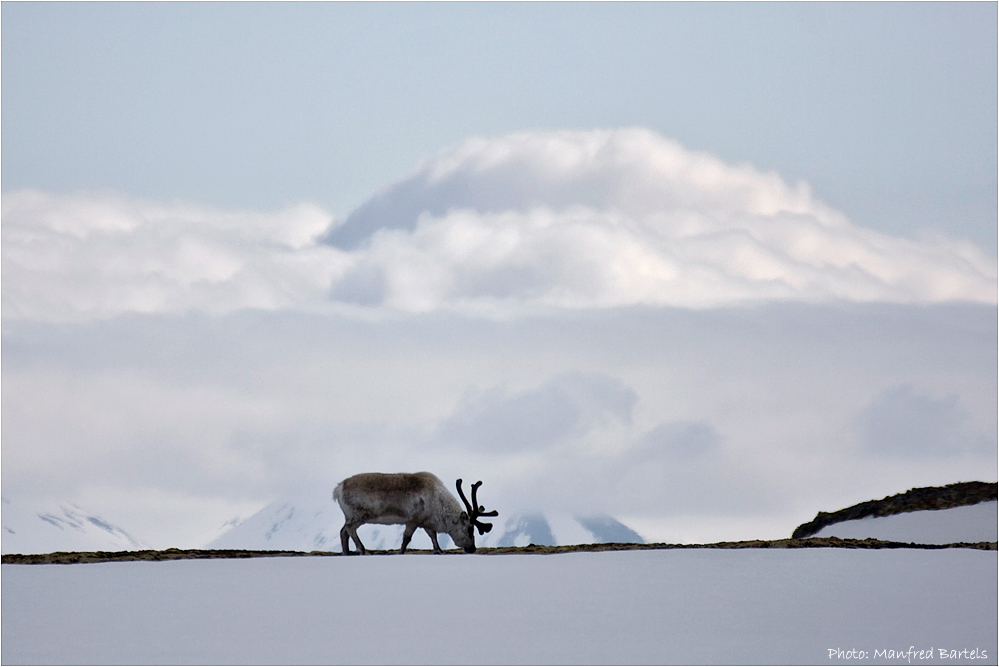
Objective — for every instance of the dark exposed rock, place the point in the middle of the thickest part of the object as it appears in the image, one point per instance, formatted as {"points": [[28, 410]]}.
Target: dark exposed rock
{"points": [[924, 498], [69, 557], [180, 554]]}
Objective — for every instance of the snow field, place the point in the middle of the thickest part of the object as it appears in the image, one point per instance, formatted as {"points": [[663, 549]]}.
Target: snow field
{"points": [[698, 606], [968, 523]]}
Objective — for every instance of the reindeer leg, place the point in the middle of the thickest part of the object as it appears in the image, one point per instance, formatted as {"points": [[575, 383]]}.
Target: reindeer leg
{"points": [[407, 535], [433, 538], [352, 531]]}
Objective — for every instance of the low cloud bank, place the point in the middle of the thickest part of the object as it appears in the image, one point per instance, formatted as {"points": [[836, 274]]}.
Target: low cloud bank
{"points": [[900, 422], [692, 425], [532, 220], [566, 408]]}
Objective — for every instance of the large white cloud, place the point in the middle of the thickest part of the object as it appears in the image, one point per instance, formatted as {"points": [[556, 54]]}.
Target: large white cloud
{"points": [[84, 256], [541, 219], [610, 218]]}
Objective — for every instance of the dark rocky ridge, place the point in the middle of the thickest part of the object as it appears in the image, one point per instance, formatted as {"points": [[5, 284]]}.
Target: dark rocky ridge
{"points": [[184, 554], [924, 498]]}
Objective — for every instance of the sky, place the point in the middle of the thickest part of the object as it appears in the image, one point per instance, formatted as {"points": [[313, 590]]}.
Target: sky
{"points": [[886, 110], [709, 268]]}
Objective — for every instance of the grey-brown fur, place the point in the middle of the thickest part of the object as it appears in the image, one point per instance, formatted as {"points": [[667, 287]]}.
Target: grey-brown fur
{"points": [[417, 500]]}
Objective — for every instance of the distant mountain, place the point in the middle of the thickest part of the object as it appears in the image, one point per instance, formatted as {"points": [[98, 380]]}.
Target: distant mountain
{"points": [[313, 524], [60, 527], [918, 500], [557, 529], [303, 524]]}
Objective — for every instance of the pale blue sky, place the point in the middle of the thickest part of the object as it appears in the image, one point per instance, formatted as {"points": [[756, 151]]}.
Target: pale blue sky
{"points": [[887, 110]]}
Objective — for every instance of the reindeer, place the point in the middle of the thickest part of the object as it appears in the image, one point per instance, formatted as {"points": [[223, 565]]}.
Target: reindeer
{"points": [[418, 500]]}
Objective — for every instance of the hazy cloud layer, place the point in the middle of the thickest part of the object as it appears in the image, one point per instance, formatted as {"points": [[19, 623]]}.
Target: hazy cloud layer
{"points": [[532, 220], [902, 422], [677, 441], [705, 424], [568, 406]]}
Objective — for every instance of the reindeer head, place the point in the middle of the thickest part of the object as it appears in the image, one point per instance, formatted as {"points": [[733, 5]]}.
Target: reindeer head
{"points": [[464, 536]]}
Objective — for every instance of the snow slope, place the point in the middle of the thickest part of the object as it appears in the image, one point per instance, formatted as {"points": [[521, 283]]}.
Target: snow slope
{"points": [[60, 527], [286, 525], [968, 523], [696, 606]]}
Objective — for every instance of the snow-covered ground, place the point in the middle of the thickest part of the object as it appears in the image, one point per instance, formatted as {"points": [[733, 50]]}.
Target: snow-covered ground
{"points": [[697, 606], [970, 523], [691, 606]]}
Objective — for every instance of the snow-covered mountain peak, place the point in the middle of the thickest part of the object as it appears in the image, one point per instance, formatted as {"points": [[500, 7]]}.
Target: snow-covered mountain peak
{"points": [[61, 527]]}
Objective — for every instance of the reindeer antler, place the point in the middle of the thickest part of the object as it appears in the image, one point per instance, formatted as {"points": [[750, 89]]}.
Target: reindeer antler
{"points": [[461, 494], [475, 510], [479, 509]]}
